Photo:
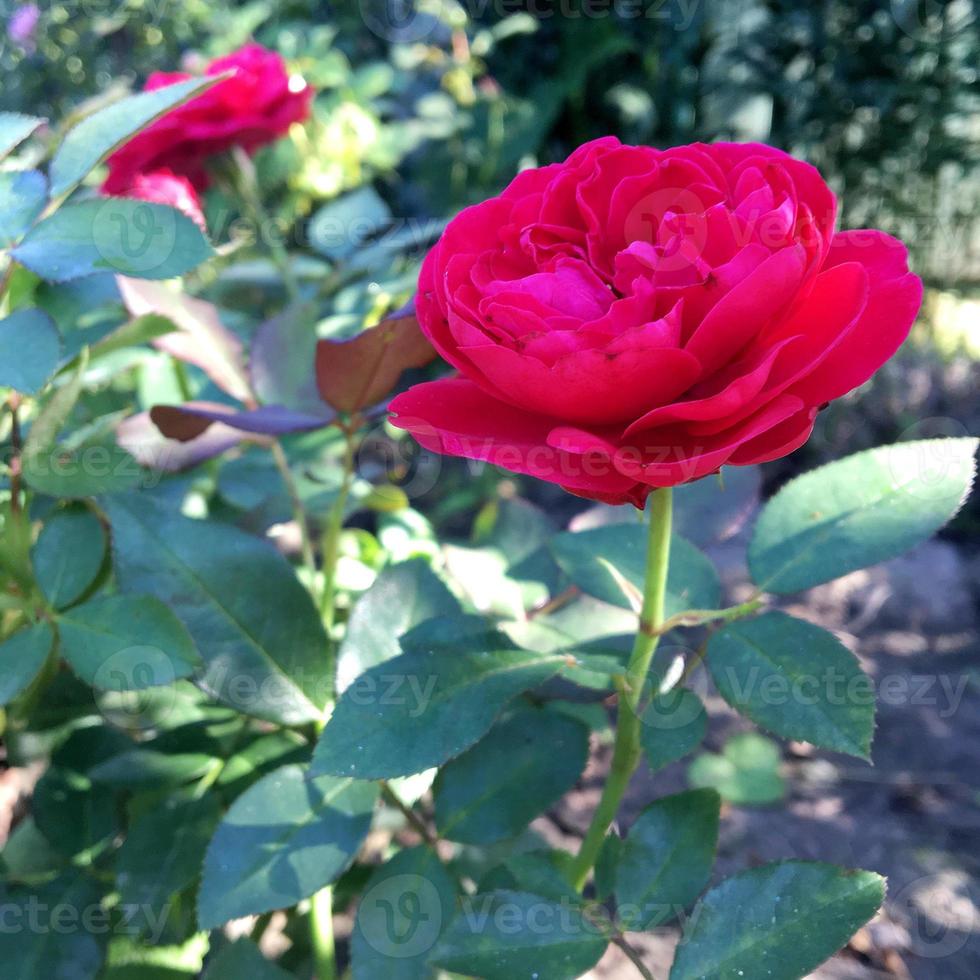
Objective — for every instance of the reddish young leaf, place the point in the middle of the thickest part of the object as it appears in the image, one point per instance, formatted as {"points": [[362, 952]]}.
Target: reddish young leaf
{"points": [[352, 374]]}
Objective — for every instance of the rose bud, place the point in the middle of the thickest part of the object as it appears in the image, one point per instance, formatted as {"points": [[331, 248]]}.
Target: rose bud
{"points": [[165, 187]]}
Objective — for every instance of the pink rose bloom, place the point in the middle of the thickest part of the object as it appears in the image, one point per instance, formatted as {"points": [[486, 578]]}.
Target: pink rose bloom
{"points": [[257, 105], [636, 318]]}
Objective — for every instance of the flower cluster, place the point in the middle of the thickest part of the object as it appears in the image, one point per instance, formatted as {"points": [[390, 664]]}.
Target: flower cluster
{"points": [[635, 318], [167, 162]]}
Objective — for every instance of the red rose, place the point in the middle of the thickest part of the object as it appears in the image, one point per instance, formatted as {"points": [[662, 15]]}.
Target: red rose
{"points": [[165, 187], [255, 106], [635, 318]]}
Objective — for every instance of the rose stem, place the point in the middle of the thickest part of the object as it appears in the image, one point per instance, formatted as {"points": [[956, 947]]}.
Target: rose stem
{"points": [[335, 524], [299, 512], [248, 192], [321, 905], [626, 753], [321, 934]]}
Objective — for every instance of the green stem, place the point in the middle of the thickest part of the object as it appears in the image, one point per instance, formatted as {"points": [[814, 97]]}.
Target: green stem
{"points": [[414, 820], [698, 617], [634, 957], [321, 934], [321, 905], [248, 190], [299, 514], [626, 752], [331, 534]]}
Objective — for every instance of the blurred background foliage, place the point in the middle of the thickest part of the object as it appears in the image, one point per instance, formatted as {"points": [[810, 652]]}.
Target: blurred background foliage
{"points": [[425, 106]]}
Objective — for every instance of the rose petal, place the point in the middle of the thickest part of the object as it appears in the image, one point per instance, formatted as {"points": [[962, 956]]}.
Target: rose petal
{"points": [[894, 300], [588, 386], [747, 308], [455, 417], [724, 403], [669, 456]]}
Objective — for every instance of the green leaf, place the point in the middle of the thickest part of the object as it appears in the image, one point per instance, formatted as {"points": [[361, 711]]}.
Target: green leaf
{"points": [[242, 959], [68, 555], [401, 597], [133, 333], [23, 194], [163, 851], [281, 841], [259, 757], [502, 935], [746, 773], [147, 768], [422, 708], [517, 771], [779, 921], [126, 643], [796, 680], [281, 360], [674, 724], [520, 532], [665, 862], [407, 904], [339, 228], [859, 511], [28, 855], [113, 234], [94, 819], [77, 471], [253, 622], [21, 659], [29, 350], [128, 959], [52, 417], [15, 127], [56, 944], [545, 873], [96, 136], [585, 556]]}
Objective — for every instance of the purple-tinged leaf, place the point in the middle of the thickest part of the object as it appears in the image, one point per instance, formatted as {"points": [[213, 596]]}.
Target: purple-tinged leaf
{"points": [[282, 358], [144, 441], [185, 422]]}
